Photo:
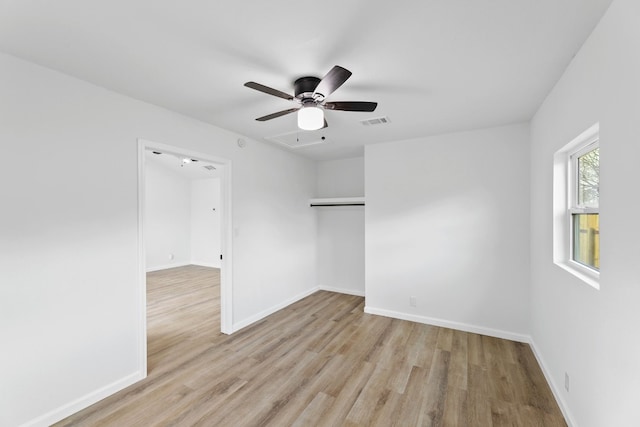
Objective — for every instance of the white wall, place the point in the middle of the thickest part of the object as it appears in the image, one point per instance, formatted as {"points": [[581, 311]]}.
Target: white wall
{"points": [[182, 218], [340, 178], [593, 334], [447, 222], [205, 222], [168, 218], [340, 263], [69, 294]]}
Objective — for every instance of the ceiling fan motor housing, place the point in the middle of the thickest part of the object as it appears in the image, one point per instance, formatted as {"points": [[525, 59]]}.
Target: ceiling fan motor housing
{"points": [[305, 86]]}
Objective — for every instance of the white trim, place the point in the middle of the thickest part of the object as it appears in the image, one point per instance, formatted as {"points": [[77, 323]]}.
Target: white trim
{"points": [[497, 333], [583, 211], [182, 264], [587, 137], [341, 290], [85, 401], [226, 249], [564, 408], [167, 266], [142, 261], [586, 274], [264, 313], [206, 264]]}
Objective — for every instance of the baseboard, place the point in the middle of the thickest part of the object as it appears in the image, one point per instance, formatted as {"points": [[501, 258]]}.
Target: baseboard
{"points": [[449, 324], [83, 402], [554, 387], [166, 266], [246, 322], [183, 264], [341, 290], [206, 264]]}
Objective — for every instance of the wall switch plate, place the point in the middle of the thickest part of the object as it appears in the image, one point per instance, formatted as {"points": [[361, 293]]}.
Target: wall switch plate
{"points": [[412, 301]]}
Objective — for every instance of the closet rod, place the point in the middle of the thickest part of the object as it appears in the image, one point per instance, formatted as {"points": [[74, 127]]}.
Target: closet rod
{"points": [[313, 205]]}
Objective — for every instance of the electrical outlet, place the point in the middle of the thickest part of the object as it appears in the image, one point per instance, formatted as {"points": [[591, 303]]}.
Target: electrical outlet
{"points": [[412, 301], [566, 381], [170, 256]]}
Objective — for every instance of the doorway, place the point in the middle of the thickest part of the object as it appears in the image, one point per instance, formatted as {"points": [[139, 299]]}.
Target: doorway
{"points": [[203, 166]]}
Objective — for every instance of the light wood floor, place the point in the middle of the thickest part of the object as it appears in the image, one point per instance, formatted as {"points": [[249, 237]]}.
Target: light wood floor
{"points": [[319, 362]]}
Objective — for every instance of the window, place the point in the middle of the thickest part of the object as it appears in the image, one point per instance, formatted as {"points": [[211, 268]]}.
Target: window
{"points": [[584, 206], [576, 207]]}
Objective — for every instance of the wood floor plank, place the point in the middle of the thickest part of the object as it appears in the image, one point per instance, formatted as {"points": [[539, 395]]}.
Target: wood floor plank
{"points": [[455, 408], [457, 377], [409, 411], [475, 350], [445, 339], [388, 413], [309, 389], [478, 404], [347, 395], [313, 412], [373, 397], [500, 386], [435, 390], [318, 362]]}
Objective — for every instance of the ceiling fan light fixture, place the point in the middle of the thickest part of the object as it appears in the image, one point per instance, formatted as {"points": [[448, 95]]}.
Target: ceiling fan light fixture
{"points": [[310, 118], [310, 95]]}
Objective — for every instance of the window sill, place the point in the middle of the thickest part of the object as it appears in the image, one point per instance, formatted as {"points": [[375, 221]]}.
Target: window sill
{"points": [[590, 277]]}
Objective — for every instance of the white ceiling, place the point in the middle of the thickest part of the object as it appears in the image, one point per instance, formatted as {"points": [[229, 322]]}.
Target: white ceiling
{"points": [[191, 171], [433, 66]]}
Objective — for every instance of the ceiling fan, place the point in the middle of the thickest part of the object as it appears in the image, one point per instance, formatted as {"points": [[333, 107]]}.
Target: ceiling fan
{"points": [[310, 95]]}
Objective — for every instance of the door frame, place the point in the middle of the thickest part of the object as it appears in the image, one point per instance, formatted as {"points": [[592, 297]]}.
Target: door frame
{"points": [[226, 237]]}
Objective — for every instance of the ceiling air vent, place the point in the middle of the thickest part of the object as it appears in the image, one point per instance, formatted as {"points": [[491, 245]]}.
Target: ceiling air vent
{"points": [[376, 121]]}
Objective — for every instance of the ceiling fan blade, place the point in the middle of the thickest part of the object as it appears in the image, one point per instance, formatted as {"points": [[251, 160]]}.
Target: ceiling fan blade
{"points": [[278, 114], [351, 106], [268, 90], [332, 81]]}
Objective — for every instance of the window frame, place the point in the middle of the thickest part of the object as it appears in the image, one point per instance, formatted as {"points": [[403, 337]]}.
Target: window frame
{"points": [[565, 191], [573, 204]]}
